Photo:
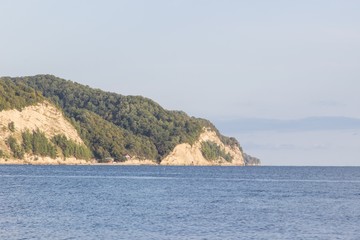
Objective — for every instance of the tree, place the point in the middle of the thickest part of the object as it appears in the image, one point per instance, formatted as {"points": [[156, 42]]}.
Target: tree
{"points": [[70, 148], [41, 146], [15, 148], [27, 138]]}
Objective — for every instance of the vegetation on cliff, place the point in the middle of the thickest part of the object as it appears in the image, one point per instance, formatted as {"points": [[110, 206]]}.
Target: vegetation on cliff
{"points": [[111, 125], [211, 151], [69, 148], [37, 143]]}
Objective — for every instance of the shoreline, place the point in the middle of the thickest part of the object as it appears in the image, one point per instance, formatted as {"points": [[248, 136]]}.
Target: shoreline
{"points": [[73, 162]]}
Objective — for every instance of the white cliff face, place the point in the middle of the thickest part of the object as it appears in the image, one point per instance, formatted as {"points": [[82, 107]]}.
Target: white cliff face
{"points": [[185, 154], [43, 116]]}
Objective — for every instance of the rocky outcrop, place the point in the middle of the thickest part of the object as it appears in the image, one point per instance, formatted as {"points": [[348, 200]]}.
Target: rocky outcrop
{"points": [[186, 154], [251, 161]]}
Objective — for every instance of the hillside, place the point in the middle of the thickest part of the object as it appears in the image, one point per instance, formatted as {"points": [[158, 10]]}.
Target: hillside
{"points": [[120, 127]]}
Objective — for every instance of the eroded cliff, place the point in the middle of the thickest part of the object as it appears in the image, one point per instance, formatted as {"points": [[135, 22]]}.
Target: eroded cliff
{"points": [[43, 117], [186, 154]]}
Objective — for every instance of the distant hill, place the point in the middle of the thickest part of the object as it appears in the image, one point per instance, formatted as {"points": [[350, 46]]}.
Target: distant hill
{"points": [[304, 124], [118, 127]]}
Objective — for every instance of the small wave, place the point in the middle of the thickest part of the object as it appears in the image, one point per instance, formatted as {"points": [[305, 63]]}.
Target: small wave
{"points": [[288, 180]]}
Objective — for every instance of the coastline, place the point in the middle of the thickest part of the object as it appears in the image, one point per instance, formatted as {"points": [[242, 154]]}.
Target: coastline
{"points": [[73, 161], [46, 161]]}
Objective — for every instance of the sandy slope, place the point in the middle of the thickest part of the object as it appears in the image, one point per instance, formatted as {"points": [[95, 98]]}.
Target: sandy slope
{"points": [[43, 116], [185, 154]]}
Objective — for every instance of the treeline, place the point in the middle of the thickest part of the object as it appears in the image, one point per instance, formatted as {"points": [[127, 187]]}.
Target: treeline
{"points": [[211, 151], [37, 143], [70, 148], [17, 96]]}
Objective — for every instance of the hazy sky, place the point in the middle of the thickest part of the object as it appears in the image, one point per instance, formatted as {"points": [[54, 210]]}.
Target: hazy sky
{"points": [[217, 59]]}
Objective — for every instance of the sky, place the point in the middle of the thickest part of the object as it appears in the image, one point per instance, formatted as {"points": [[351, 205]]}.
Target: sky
{"points": [[217, 59]]}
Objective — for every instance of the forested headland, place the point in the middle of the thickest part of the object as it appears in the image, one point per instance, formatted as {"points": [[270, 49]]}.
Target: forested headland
{"points": [[110, 124]]}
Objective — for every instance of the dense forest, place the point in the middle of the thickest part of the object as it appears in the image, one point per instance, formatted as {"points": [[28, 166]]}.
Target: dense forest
{"points": [[113, 125], [17, 95]]}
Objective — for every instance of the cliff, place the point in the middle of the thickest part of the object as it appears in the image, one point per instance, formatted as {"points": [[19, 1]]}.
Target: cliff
{"points": [[70, 120], [186, 154], [42, 117]]}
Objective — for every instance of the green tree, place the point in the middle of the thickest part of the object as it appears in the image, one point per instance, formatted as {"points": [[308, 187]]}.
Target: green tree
{"points": [[27, 138], [211, 151], [70, 148], [16, 149], [41, 146]]}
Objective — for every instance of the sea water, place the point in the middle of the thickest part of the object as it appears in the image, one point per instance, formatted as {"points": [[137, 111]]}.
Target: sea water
{"points": [[155, 202]]}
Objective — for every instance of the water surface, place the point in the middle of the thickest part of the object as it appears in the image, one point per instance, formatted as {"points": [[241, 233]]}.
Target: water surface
{"points": [[155, 202]]}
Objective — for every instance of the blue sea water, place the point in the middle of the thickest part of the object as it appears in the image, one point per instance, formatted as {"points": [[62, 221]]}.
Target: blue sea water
{"points": [[155, 202]]}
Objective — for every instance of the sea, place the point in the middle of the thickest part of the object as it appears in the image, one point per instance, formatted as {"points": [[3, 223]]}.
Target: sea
{"points": [[157, 202]]}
